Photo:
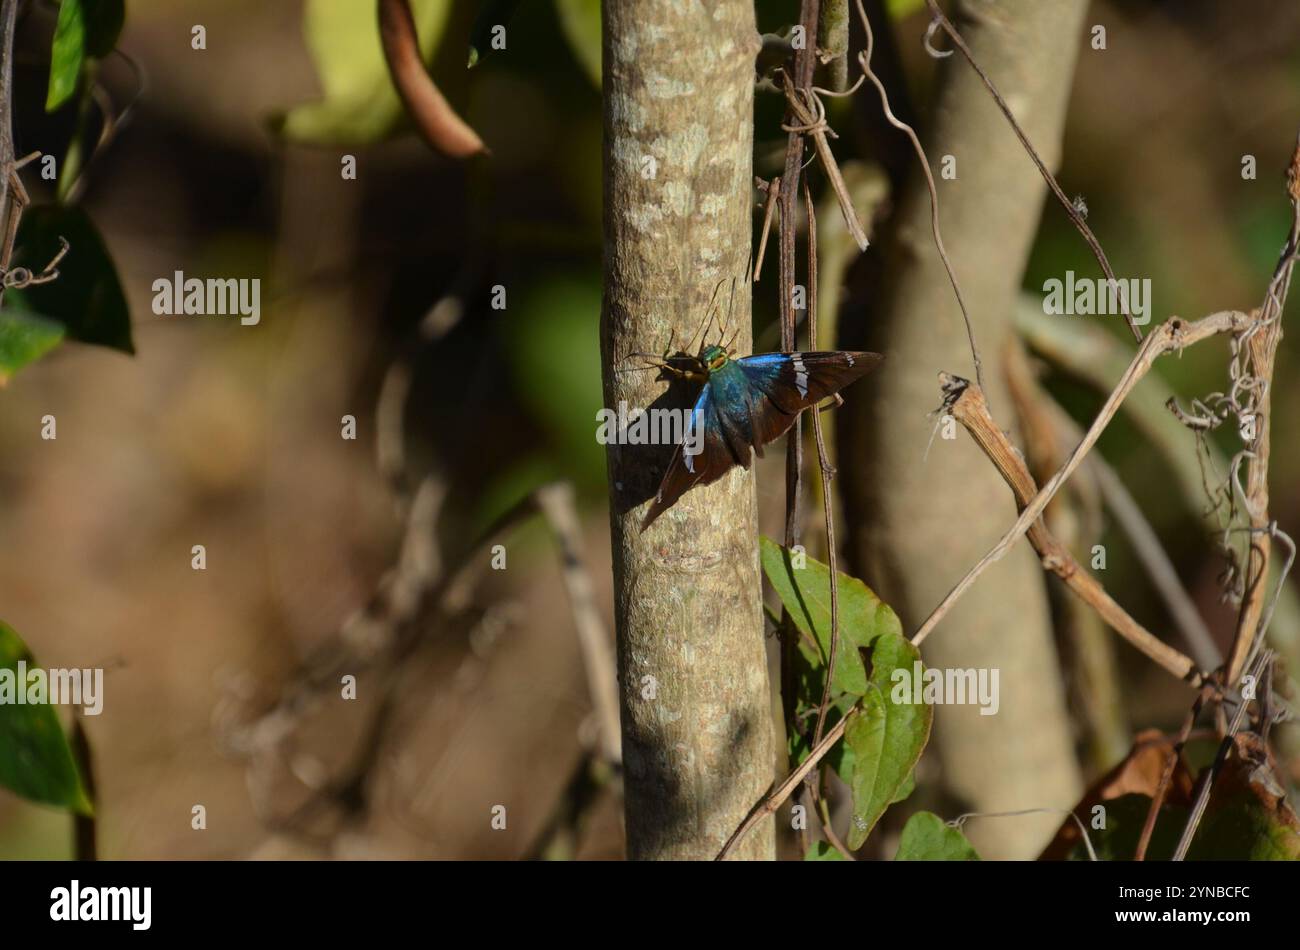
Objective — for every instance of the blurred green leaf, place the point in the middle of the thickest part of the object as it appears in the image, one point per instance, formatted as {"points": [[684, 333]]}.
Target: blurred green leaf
{"points": [[360, 105], [104, 20], [580, 21], [821, 851], [553, 343], [36, 760], [927, 837], [87, 297], [806, 594], [66, 54], [84, 28], [24, 338], [887, 736], [898, 9]]}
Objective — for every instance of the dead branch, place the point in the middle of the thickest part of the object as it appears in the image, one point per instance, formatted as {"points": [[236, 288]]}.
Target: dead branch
{"points": [[1172, 335], [966, 403]]}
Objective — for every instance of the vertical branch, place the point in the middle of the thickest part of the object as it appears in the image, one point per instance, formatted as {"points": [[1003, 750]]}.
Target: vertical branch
{"points": [[10, 207], [1261, 348], [694, 697], [827, 473], [804, 64]]}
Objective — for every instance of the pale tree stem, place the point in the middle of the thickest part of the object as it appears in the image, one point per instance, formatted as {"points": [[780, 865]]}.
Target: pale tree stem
{"points": [[694, 696]]}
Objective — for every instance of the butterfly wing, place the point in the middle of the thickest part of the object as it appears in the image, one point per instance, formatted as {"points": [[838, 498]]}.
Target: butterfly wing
{"points": [[792, 382], [718, 453], [746, 405]]}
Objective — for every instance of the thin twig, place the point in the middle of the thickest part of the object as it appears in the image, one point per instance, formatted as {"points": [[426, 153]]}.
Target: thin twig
{"points": [[804, 63], [1206, 782], [960, 821], [814, 125], [864, 59], [789, 199], [823, 809], [1167, 774], [828, 473], [1075, 215], [773, 801]]}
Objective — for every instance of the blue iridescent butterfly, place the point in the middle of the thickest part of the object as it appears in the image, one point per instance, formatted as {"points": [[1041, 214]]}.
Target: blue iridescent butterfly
{"points": [[743, 405]]}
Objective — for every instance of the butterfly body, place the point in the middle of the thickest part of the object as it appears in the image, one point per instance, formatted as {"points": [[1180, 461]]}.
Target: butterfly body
{"points": [[744, 404]]}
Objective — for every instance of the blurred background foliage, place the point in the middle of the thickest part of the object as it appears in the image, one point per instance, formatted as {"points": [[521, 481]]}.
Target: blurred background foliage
{"points": [[229, 436]]}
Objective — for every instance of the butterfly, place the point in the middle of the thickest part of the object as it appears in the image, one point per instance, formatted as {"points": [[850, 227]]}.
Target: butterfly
{"points": [[744, 404]]}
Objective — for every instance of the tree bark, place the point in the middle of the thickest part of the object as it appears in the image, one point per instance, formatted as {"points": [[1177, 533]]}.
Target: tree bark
{"points": [[919, 523], [694, 697]]}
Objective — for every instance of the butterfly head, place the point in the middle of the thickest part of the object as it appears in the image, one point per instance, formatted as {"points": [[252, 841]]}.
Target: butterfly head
{"points": [[714, 357]]}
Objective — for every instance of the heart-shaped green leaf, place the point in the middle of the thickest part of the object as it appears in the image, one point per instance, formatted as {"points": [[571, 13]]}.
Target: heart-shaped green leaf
{"points": [[927, 837]]}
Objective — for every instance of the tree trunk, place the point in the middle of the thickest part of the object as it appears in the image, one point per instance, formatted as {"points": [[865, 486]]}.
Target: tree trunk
{"points": [[919, 523], [695, 704]]}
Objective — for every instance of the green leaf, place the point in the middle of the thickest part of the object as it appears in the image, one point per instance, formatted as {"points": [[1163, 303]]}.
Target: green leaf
{"points": [[87, 297], [24, 338], [84, 28], [821, 851], [36, 760], [580, 21], [887, 736], [927, 837], [360, 105], [906, 789], [66, 54], [805, 592]]}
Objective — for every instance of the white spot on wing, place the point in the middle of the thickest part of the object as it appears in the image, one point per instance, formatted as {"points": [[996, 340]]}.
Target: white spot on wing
{"points": [[800, 375], [849, 357]]}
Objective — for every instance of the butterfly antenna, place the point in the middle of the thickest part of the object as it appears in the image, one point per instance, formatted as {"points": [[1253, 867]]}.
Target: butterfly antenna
{"points": [[700, 330], [731, 303]]}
